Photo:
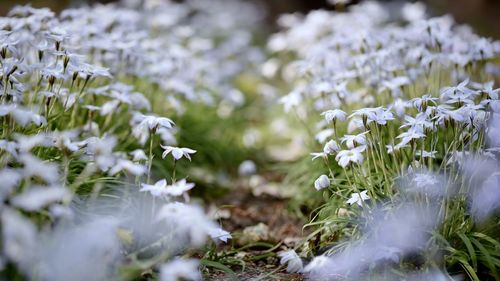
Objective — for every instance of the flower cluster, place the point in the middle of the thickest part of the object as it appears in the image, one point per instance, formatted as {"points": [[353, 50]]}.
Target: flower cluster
{"points": [[80, 94], [377, 87]]}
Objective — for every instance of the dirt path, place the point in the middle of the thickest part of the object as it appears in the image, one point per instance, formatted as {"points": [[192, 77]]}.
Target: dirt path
{"points": [[262, 225]]}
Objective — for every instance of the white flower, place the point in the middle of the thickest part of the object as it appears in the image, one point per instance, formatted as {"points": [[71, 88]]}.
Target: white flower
{"points": [[157, 190], [485, 201], [420, 122], [322, 182], [316, 155], [323, 135], [144, 124], [395, 84], [355, 124], [333, 115], [293, 261], [178, 188], [129, 166], [399, 106], [101, 150], [10, 179], [138, 155], [9, 146], [154, 122], [246, 168], [488, 89], [63, 141], [339, 2], [22, 116], [331, 147], [408, 136], [460, 91], [381, 116], [424, 100], [220, 234], [19, 237], [177, 152], [180, 269], [34, 166], [354, 155], [349, 140], [26, 143], [291, 100], [358, 198], [426, 154], [413, 11], [38, 197], [177, 214], [317, 264], [423, 180], [109, 107]]}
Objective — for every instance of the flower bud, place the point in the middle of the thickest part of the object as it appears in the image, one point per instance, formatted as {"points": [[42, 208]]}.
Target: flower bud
{"points": [[322, 182]]}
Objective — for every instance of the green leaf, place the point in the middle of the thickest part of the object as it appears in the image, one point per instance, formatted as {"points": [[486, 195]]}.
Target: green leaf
{"points": [[470, 249], [470, 271], [487, 257], [219, 266]]}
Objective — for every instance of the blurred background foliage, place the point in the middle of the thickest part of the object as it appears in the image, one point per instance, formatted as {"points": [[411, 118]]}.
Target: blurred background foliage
{"points": [[482, 15]]}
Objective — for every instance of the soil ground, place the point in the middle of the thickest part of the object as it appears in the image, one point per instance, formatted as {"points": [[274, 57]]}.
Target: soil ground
{"points": [[262, 218]]}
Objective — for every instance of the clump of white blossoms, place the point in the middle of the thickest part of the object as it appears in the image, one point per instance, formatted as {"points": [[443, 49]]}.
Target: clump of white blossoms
{"points": [[395, 100], [81, 93]]}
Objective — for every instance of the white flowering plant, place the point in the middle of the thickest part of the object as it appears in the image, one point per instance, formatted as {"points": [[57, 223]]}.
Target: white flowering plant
{"points": [[375, 92], [382, 124], [89, 99]]}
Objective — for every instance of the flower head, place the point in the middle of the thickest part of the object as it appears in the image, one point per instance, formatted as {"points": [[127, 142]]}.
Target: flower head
{"points": [[333, 115], [331, 147], [358, 198], [157, 190], [177, 152], [322, 182], [293, 261], [178, 188]]}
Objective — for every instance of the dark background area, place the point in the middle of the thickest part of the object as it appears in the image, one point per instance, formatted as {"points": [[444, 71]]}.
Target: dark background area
{"points": [[483, 15]]}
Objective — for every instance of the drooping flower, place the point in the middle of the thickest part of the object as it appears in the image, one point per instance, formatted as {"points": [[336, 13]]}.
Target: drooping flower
{"points": [[220, 234], [331, 147], [322, 182], [292, 260]]}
